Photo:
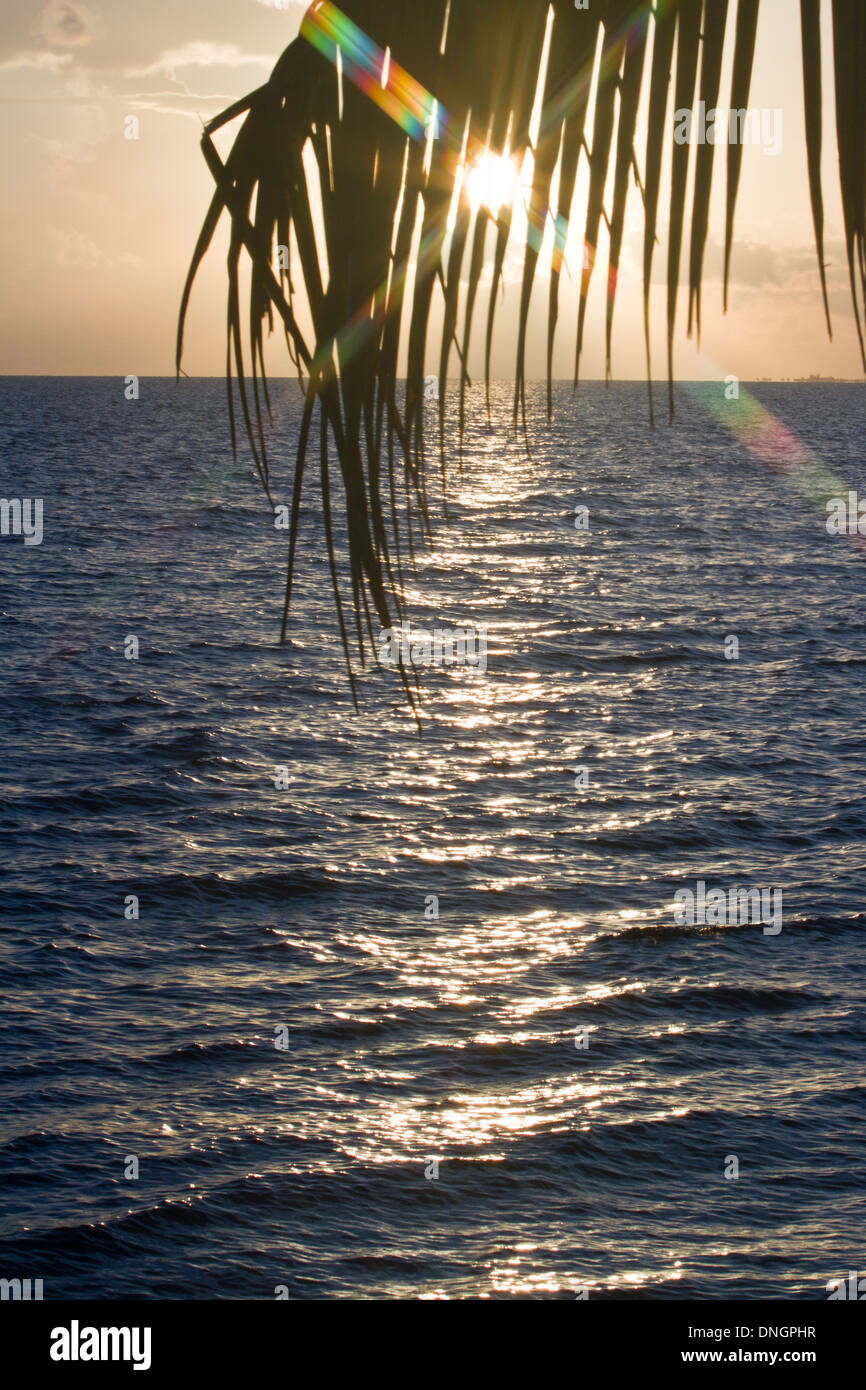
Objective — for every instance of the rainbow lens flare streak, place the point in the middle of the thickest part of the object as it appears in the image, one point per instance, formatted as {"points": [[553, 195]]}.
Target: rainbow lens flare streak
{"points": [[766, 438], [333, 34]]}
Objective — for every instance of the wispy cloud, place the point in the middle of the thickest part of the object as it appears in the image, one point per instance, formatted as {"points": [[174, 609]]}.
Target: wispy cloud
{"points": [[39, 62], [148, 97], [162, 104], [201, 54]]}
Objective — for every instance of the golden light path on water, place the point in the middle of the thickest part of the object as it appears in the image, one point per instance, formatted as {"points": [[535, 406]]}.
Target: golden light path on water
{"points": [[478, 975]]}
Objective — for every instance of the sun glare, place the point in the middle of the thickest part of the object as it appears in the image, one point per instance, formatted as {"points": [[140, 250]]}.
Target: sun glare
{"points": [[492, 182]]}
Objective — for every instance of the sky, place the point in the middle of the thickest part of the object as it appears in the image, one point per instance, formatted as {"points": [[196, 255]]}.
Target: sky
{"points": [[97, 229]]}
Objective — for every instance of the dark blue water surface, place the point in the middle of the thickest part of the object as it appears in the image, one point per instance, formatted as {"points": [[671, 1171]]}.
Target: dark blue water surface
{"points": [[451, 1039]]}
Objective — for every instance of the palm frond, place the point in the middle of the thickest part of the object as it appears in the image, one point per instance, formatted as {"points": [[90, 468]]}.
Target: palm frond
{"points": [[386, 108], [744, 57]]}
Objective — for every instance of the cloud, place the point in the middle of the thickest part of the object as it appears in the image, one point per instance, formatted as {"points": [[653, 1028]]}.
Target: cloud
{"points": [[201, 54], [40, 62], [68, 24], [74, 250], [751, 264], [147, 97], [163, 103]]}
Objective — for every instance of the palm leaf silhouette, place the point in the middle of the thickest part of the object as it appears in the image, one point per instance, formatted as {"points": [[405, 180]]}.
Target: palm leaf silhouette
{"points": [[394, 103]]}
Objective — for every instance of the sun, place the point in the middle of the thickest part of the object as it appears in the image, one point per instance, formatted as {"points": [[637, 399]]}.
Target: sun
{"points": [[492, 181]]}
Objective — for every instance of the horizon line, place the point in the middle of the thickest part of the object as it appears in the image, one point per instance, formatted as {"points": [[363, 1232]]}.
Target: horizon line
{"points": [[556, 381]]}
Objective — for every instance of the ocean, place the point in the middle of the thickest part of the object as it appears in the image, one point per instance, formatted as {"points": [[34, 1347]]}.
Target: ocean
{"points": [[421, 1021]]}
